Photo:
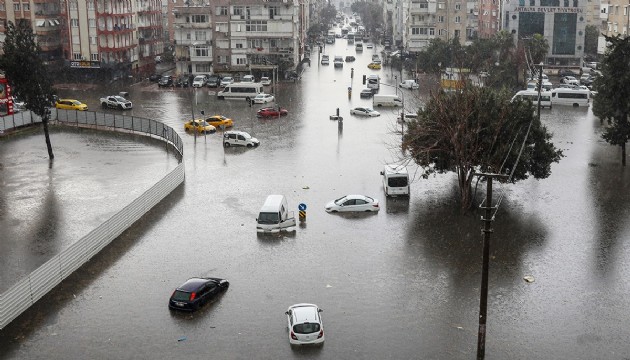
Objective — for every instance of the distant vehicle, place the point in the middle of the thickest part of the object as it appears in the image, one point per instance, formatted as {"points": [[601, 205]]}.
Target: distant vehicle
{"points": [[386, 100], [350, 58], [567, 72], [165, 81], [263, 98], [219, 121], [409, 84], [213, 81], [376, 58], [116, 102], [325, 60], [532, 95], [154, 77], [369, 46], [271, 112], [266, 81], [240, 90], [338, 61], [395, 180], [248, 78], [182, 81], [274, 215], [305, 324], [366, 93], [570, 80], [533, 85], [70, 104], [239, 138], [196, 292], [364, 112], [373, 82], [573, 97], [199, 126], [199, 81], [374, 66], [358, 47], [353, 203], [227, 80]]}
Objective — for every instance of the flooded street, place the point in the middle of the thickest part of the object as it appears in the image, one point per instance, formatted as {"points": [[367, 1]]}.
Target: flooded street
{"points": [[399, 284]]}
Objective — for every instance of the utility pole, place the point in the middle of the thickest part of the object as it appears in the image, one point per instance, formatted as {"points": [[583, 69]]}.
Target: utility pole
{"points": [[540, 78], [487, 230]]}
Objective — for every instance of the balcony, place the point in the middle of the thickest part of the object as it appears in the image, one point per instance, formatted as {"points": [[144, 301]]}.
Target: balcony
{"points": [[201, 58]]}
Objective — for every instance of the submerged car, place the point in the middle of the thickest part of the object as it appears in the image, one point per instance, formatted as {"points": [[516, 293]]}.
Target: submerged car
{"points": [[271, 112], [265, 80], [353, 203], [196, 292], [263, 98], [350, 58], [219, 121], [305, 324], [199, 126], [70, 104], [365, 112], [165, 81], [239, 138], [366, 93], [374, 66]]}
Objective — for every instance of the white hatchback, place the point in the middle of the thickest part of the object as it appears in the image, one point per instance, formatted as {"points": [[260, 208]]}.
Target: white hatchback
{"points": [[305, 324]]}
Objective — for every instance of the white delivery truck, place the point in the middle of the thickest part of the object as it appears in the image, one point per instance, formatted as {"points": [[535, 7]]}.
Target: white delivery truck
{"points": [[386, 100], [275, 215], [395, 180]]}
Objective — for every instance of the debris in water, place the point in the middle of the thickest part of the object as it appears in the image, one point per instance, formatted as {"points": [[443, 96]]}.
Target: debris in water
{"points": [[529, 278], [183, 338], [328, 286], [306, 188]]}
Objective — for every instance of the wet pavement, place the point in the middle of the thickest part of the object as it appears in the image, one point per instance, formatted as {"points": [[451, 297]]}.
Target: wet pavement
{"points": [[400, 284]]}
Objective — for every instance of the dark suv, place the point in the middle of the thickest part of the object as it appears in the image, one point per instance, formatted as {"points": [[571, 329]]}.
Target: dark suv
{"points": [[213, 81], [165, 81], [182, 81]]}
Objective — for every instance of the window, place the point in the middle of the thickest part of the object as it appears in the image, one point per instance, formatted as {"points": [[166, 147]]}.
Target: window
{"points": [[16, 7], [441, 18], [424, 5], [457, 33], [76, 40], [201, 51], [203, 68], [239, 45], [241, 61], [441, 5], [76, 56], [2, 8], [457, 19], [26, 7], [256, 43], [222, 59], [432, 31], [237, 10], [94, 57], [256, 26], [273, 11], [532, 2], [74, 22], [442, 32], [200, 35], [93, 42], [198, 19], [222, 10], [92, 23], [90, 5], [458, 6]]}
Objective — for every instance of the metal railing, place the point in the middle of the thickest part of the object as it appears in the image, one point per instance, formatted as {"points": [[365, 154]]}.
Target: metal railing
{"points": [[28, 290]]}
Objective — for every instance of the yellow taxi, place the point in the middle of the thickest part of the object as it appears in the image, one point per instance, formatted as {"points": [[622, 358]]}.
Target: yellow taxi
{"points": [[70, 104], [374, 66], [199, 126], [220, 120]]}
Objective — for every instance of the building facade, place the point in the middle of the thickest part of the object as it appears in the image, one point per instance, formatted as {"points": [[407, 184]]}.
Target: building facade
{"points": [[561, 22]]}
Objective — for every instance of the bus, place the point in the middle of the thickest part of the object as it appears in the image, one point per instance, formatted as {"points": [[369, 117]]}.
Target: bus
{"points": [[573, 97], [532, 95], [240, 91], [373, 82]]}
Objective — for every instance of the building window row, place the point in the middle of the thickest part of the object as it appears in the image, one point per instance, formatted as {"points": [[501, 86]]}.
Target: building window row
{"points": [[256, 26], [423, 31]]}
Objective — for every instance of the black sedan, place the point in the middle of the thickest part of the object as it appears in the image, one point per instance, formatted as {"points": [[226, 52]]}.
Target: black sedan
{"points": [[196, 292]]}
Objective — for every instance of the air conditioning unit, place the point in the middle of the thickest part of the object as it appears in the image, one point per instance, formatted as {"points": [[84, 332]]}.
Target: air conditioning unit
{"points": [[242, 17]]}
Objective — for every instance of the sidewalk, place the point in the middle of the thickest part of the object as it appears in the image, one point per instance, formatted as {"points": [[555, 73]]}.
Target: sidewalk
{"points": [[46, 206]]}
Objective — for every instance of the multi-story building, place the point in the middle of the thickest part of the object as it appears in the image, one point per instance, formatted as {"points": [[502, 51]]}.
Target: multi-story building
{"points": [[119, 37], [441, 19], [238, 36], [489, 18], [561, 22], [615, 16]]}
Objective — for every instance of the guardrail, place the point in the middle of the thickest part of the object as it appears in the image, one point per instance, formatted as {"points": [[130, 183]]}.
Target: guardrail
{"points": [[38, 283]]}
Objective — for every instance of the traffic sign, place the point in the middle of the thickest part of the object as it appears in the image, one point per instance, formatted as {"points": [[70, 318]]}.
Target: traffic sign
{"points": [[302, 206]]}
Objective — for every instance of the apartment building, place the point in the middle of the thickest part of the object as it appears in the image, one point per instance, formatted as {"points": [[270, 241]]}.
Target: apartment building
{"points": [[239, 36], [441, 19], [489, 18], [615, 17], [116, 37]]}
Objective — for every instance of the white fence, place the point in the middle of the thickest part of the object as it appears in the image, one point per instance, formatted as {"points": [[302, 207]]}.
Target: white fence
{"points": [[33, 287]]}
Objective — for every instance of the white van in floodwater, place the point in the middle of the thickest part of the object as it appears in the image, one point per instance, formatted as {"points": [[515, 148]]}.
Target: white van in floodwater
{"points": [[386, 100], [275, 215], [395, 180]]}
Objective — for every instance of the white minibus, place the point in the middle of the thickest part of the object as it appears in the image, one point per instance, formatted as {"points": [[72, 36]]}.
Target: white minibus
{"points": [[240, 91], [532, 95], [573, 97]]}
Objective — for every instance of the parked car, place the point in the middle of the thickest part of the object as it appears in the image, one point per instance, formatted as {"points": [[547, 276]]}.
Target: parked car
{"points": [[227, 80], [248, 78], [409, 84], [366, 93], [363, 111], [182, 81], [70, 104], [196, 292], [199, 81], [199, 126], [374, 66], [369, 46], [219, 121], [567, 72], [239, 138], [263, 98], [350, 58], [116, 102], [213, 81], [165, 81], [325, 60], [271, 112], [305, 324], [265, 80], [353, 203], [570, 80], [338, 61], [155, 77]]}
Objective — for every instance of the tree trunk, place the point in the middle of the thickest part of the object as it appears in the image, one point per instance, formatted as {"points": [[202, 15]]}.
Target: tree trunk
{"points": [[623, 154], [47, 136], [465, 191]]}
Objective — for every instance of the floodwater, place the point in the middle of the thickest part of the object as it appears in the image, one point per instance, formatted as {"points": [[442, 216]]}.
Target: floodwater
{"points": [[400, 284]]}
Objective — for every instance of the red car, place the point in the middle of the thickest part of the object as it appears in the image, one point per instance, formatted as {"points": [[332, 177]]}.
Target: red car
{"points": [[272, 112]]}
